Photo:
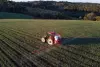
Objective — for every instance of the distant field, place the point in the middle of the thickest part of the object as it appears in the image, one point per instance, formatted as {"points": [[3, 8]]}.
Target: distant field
{"points": [[20, 44], [14, 16]]}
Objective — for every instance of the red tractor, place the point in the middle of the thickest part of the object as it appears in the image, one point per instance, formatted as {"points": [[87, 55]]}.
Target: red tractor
{"points": [[51, 38]]}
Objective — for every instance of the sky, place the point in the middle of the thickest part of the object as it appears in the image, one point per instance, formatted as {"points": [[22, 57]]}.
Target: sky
{"points": [[92, 1]]}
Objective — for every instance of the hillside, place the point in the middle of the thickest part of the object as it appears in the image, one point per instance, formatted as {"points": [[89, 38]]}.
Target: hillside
{"points": [[51, 9]]}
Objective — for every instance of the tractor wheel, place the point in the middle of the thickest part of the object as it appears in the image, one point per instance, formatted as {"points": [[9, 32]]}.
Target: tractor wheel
{"points": [[43, 40], [50, 41]]}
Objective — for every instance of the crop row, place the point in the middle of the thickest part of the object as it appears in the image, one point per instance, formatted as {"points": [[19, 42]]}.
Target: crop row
{"points": [[49, 58], [95, 57], [92, 48], [35, 45], [59, 53], [5, 61], [14, 45], [9, 50], [19, 49], [24, 38], [73, 55], [92, 56], [79, 56]]}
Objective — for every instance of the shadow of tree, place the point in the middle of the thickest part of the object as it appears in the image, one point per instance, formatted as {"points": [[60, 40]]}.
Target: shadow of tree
{"points": [[80, 41]]}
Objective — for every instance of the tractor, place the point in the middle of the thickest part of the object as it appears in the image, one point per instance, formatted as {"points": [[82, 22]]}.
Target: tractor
{"points": [[51, 38]]}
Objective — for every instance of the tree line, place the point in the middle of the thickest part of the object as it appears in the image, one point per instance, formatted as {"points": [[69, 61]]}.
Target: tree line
{"points": [[89, 7], [50, 9]]}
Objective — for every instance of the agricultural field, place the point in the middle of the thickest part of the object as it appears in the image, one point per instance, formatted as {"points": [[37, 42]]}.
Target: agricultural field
{"points": [[20, 44]]}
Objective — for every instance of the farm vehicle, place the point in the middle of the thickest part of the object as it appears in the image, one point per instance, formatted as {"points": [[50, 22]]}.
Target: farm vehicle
{"points": [[51, 38]]}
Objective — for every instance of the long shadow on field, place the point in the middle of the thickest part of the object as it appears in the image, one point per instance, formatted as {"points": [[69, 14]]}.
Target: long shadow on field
{"points": [[79, 41]]}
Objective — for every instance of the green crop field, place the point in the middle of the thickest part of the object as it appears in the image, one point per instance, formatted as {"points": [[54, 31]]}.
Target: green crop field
{"points": [[20, 44]]}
